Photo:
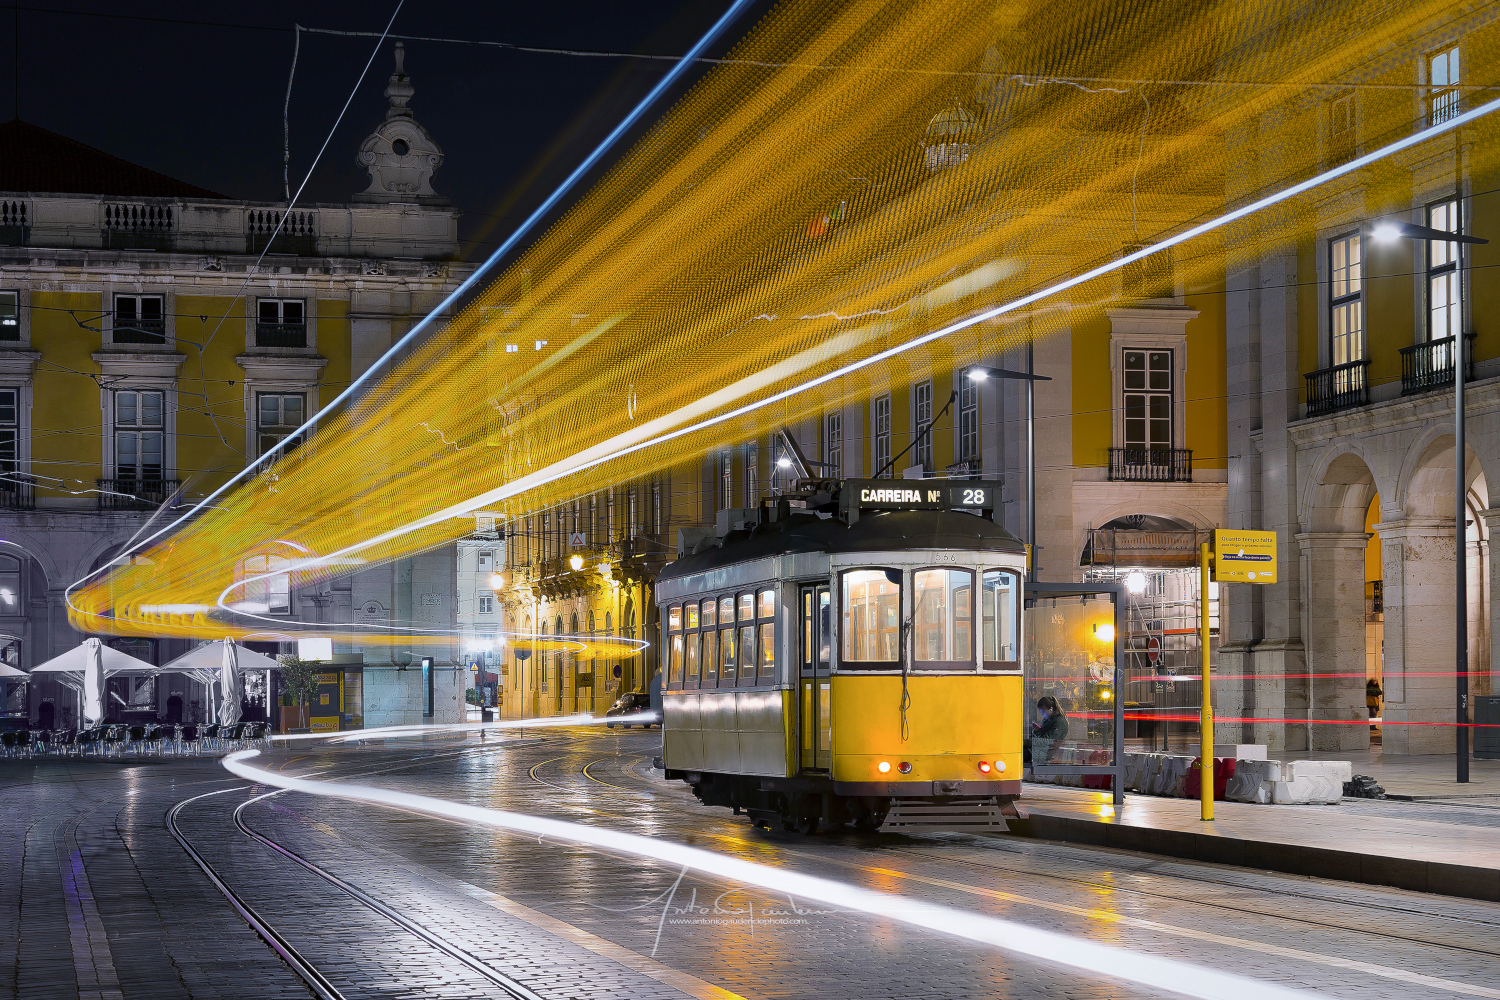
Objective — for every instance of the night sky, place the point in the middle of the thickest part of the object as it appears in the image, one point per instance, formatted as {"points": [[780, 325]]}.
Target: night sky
{"points": [[196, 90]]}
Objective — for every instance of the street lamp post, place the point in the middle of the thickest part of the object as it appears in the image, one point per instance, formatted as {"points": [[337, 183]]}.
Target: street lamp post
{"points": [[983, 373], [1390, 232]]}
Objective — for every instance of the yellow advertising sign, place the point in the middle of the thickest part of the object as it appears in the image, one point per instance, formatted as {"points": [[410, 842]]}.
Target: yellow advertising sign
{"points": [[1244, 556]]}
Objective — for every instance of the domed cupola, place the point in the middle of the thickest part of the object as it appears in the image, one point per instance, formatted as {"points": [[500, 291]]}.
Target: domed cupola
{"points": [[950, 134], [399, 155]]}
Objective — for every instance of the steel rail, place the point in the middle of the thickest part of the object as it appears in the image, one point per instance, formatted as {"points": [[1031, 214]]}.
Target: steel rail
{"points": [[302, 967], [421, 932]]}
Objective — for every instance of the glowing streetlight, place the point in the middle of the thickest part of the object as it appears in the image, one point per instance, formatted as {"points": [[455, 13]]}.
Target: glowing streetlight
{"points": [[1104, 632], [576, 561], [497, 581], [1135, 582], [1386, 232]]}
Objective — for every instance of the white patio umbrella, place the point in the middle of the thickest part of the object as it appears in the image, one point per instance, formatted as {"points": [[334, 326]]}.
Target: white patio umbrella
{"points": [[205, 664], [229, 684], [85, 667]]}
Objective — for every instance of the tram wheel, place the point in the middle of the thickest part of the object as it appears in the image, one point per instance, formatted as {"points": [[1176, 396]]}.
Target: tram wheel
{"points": [[869, 822]]}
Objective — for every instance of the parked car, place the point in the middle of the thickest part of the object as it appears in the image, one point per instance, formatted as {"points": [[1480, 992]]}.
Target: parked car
{"points": [[634, 703]]}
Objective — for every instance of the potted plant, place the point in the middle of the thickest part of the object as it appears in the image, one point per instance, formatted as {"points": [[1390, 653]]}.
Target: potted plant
{"points": [[299, 682]]}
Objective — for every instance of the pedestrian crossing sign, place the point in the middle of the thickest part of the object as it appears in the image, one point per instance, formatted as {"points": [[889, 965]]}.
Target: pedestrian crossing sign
{"points": [[1244, 556]]}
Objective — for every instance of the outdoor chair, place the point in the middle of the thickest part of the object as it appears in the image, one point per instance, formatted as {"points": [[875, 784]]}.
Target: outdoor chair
{"points": [[8, 744], [231, 736], [64, 741], [211, 736], [188, 739], [113, 739], [156, 737], [137, 738], [23, 743]]}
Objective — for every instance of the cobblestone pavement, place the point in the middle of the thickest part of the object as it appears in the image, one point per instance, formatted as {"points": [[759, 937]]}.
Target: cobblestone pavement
{"points": [[102, 902]]}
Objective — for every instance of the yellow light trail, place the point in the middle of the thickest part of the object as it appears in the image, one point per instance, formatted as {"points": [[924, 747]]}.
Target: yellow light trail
{"points": [[784, 222]]}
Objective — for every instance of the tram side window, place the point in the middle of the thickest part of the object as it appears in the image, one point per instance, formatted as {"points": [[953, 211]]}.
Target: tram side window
{"points": [[872, 619], [710, 646], [998, 635], [674, 648], [691, 673], [943, 619], [727, 654], [748, 652], [767, 612]]}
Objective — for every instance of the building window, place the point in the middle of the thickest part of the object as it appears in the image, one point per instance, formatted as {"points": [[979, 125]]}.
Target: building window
{"points": [[1444, 274], [968, 418], [140, 319], [264, 588], [1443, 98], [1340, 130], [923, 415], [726, 479], [10, 316], [880, 420], [833, 445], [1346, 300], [10, 587], [280, 323], [1148, 400], [752, 474], [277, 415], [486, 605], [10, 428], [140, 434]]}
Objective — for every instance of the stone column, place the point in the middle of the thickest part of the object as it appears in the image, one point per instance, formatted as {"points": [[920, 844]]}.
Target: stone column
{"points": [[1279, 658], [1418, 558], [1241, 616], [1333, 616]]}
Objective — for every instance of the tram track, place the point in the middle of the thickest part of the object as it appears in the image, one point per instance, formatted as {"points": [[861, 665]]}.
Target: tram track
{"points": [[299, 964]]}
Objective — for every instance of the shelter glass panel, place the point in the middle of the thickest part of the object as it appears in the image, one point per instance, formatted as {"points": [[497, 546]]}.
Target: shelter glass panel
{"points": [[1070, 657]]}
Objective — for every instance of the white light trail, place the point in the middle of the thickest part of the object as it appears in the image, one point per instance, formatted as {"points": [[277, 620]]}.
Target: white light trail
{"points": [[1028, 943]]}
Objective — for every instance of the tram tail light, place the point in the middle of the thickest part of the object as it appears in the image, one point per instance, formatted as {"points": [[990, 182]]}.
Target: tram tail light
{"points": [[984, 767], [883, 767], [904, 767]]}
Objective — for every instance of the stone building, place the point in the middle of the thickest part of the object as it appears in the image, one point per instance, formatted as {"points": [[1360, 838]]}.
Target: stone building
{"points": [[155, 336]]}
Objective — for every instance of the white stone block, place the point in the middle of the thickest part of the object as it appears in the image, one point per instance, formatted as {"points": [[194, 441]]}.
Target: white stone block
{"points": [[1253, 781], [1241, 751], [1308, 790], [1336, 770], [1138, 767]]}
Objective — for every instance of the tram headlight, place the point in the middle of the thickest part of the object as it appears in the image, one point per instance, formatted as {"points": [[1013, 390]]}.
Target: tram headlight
{"points": [[883, 767]]}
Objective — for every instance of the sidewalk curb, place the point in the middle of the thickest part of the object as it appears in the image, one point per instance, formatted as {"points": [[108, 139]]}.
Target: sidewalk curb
{"points": [[1463, 881]]}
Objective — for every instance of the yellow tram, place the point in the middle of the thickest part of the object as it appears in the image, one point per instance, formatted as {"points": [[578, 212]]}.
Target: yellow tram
{"points": [[850, 646]]}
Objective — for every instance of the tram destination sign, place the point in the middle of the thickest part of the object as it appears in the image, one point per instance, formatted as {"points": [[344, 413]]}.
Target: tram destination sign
{"points": [[920, 494]]}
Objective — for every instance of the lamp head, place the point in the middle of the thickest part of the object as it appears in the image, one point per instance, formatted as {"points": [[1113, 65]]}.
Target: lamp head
{"points": [[1386, 232], [575, 561]]}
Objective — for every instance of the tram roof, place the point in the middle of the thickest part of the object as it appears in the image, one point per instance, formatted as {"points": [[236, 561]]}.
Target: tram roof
{"points": [[886, 531]]}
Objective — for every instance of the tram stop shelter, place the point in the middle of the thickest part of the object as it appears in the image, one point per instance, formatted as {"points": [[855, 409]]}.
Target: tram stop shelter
{"points": [[1074, 652]]}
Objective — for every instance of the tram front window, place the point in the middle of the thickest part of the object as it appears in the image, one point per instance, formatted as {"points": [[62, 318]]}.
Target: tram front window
{"points": [[998, 636], [872, 619], [943, 619]]}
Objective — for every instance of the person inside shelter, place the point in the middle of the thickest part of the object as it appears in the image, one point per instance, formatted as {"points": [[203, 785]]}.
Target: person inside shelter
{"points": [[1050, 727]]}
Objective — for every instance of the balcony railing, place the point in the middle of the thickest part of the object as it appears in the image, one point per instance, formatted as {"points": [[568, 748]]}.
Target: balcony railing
{"points": [[1430, 365], [1151, 465], [140, 331], [1338, 388], [134, 494], [16, 491], [967, 469], [280, 334]]}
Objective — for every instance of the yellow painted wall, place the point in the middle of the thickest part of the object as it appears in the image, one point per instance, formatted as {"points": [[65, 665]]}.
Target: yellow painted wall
{"points": [[1207, 430], [67, 421], [1093, 407], [1372, 548]]}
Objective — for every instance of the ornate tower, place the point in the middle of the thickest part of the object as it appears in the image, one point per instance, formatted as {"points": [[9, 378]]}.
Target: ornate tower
{"points": [[400, 156]]}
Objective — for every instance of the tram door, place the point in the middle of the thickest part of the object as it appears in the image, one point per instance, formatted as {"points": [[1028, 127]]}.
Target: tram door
{"points": [[814, 689]]}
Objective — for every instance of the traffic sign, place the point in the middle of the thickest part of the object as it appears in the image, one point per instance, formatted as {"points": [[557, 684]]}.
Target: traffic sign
{"points": [[1244, 556], [1153, 649], [576, 539]]}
